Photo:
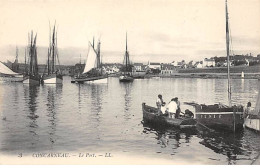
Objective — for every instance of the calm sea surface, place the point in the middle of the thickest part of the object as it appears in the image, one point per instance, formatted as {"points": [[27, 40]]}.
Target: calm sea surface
{"points": [[108, 118]]}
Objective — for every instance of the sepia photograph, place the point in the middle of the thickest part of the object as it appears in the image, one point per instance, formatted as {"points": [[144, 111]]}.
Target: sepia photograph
{"points": [[120, 82]]}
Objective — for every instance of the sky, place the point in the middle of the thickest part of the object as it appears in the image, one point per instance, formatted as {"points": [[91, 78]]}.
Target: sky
{"points": [[158, 30]]}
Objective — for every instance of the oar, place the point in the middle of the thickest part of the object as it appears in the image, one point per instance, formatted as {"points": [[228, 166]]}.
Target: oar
{"points": [[211, 130]]}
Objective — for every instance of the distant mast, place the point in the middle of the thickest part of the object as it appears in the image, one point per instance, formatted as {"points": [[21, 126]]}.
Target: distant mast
{"points": [[228, 64], [126, 57], [25, 65], [98, 55], [16, 58]]}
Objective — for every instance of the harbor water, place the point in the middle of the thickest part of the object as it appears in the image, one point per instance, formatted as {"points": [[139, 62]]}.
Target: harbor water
{"points": [[108, 118]]}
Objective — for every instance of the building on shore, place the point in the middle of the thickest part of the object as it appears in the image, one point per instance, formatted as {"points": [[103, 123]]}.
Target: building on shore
{"points": [[209, 62], [154, 65], [168, 69]]}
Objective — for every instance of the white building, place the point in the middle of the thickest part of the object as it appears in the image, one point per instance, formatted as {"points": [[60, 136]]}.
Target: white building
{"points": [[209, 62], [153, 65]]}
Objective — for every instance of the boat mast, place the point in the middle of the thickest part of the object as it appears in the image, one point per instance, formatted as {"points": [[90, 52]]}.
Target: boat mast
{"points": [[98, 55], [126, 56], [35, 57], [25, 66], [16, 58], [53, 50], [31, 55], [228, 64]]}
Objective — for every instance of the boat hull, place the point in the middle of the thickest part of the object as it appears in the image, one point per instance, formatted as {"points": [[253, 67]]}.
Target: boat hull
{"points": [[31, 80], [150, 116], [18, 78], [97, 80], [252, 122], [126, 79], [220, 118], [52, 79]]}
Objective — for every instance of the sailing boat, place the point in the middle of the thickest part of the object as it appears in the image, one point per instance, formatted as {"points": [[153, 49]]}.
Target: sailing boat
{"points": [[221, 116], [93, 72], [127, 69], [252, 120], [7, 75], [54, 75], [32, 77]]}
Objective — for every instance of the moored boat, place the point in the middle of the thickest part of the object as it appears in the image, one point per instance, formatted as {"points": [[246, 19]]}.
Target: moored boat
{"points": [[150, 115], [7, 75], [218, 116], [32, 76], [126, 76], [93, 69], [53, 75]]}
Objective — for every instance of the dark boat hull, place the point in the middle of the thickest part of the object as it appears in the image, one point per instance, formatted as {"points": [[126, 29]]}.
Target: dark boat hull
{"points": [[31, 80], [95, 79], [126, 79], [222, 118], [150, 116]]}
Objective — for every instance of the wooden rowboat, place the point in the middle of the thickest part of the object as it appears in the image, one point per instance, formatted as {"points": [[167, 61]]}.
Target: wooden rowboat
{"points": [[150, 115]]}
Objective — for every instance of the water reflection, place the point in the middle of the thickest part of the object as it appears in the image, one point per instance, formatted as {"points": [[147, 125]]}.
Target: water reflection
{"points": [[103, 118], [30, 96], [170, 137], [96, 96], [223, 143], [126, 88], [54, 92]]}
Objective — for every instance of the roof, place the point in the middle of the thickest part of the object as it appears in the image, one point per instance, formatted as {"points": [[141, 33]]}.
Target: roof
{"points": [[138, 64], [209, 59], [155, 63], [167, 66]]}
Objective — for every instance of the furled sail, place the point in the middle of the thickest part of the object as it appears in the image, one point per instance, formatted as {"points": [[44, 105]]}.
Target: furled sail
{"points": [[91, 59], [5, 70]]}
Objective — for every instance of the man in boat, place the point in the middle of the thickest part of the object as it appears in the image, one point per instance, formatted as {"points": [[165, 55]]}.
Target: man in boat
{"points": [[163, 108], [178, 111], [159, 103], [247, 109], [188, 114], [171, 108]]}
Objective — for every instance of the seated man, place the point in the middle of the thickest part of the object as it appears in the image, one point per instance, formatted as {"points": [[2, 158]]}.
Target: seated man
{"points": [[188, 114]]}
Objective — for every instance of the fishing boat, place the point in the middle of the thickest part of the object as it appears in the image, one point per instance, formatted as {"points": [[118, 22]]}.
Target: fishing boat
{"points": [[252, 119], [127, 68], [53, 75], [219, 116], [32, 76], [7, 75], [150, 115], [93, 72]]}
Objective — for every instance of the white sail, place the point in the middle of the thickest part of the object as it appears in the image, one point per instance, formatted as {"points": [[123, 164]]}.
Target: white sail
{"points": [[91, 59], [257, 106], [5, 70]]}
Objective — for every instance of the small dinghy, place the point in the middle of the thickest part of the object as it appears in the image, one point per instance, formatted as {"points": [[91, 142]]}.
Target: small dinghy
{"points": [[150, 115]]}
